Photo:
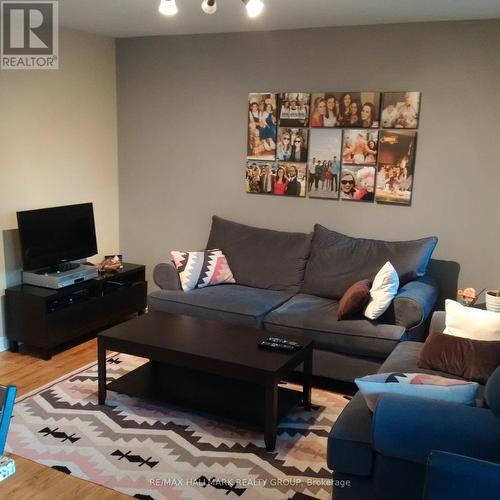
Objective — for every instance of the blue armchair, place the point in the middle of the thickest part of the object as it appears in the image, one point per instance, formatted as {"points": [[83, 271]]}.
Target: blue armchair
{"points": [[406, 430], [460, 478]]}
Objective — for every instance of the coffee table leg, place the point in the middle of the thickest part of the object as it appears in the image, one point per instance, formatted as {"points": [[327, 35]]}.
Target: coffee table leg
{"points": [[101, 371], [271, 415], [307, 383]]}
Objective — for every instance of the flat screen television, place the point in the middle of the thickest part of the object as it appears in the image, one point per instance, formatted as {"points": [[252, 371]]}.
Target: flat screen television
{"points": [[51, 237]]}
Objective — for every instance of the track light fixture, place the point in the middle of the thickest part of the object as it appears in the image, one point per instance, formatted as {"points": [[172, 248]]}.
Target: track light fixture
{"points": [[254, 7], [209, 6], [169, 7]]}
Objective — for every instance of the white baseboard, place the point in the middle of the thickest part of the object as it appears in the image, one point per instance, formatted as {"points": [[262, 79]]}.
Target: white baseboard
{"points": [[4, 344]]}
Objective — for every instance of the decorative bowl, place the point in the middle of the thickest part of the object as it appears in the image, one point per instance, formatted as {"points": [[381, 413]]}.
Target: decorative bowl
{"points": [[493, 300]]}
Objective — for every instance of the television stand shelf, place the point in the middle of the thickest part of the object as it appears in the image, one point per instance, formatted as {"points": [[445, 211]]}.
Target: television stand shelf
{"points": [[45, 318]]}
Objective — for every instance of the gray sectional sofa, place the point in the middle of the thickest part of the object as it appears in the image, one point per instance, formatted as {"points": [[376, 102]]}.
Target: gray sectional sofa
{"points": [[291, 283]]}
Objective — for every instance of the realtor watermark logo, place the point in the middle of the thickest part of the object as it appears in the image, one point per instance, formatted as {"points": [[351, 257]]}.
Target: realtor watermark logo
{"points": [[29, 35]]}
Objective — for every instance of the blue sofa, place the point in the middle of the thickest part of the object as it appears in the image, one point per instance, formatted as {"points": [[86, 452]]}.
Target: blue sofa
{"points": [[384, 455], [291, 283]]}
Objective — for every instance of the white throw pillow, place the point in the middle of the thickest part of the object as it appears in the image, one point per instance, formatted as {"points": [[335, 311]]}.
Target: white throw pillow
{"points": [[384, 289], [471, 323]]}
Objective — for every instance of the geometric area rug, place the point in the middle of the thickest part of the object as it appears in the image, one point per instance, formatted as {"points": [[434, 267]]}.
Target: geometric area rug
{"points": [[152, 450]]}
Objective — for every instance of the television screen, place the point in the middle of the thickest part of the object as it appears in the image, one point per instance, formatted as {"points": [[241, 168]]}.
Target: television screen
{"points": [[52, 236]]}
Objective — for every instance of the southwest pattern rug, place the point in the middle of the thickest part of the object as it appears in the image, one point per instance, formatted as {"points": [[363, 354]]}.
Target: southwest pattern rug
{"points": [[150, 450]]}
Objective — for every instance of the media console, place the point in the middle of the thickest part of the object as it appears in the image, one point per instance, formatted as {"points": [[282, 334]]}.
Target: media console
{"points": [[45, 318]]}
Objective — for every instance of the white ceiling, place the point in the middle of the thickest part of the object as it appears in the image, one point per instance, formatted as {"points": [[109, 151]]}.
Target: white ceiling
{"points": [[126, 18]]}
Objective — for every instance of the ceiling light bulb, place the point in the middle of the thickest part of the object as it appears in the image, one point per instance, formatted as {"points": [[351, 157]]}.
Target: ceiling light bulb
{"points": [[168, 7], [209, 6], [254, 7]]}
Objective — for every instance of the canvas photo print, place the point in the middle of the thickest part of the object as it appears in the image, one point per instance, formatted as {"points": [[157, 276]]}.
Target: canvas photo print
{"points": [[360, 147], [259, 177], [294, 108], [295, 175], [324, 163], [272, 178], [400, 109], [262, 126], [325, 110], [357, 183], [345, 109], [396, 166], [292, 144]]}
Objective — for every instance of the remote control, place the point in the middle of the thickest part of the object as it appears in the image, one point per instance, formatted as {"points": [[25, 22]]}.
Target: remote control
{"points": [[278, 340], [276, 346]]}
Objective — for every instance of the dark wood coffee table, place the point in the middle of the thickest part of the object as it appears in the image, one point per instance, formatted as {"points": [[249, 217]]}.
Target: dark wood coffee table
{"points": [[206, 365]]}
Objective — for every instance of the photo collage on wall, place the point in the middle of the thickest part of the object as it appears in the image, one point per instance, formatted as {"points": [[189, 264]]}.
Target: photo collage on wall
{"points": [[333, 145]]}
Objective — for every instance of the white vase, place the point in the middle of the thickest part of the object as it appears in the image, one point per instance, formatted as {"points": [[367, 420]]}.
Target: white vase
{"points": [[492, 301]]}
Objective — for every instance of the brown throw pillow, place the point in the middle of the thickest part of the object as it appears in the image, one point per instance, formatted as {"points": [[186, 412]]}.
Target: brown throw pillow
{"points": [[354, 299], [471, 359]]}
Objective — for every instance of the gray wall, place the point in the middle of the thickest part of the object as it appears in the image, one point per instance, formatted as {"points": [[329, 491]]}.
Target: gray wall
{"points": [[182, 134]]}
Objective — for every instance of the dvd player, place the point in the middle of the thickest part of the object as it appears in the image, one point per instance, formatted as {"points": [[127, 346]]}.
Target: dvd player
{"points": [[48, 278]]}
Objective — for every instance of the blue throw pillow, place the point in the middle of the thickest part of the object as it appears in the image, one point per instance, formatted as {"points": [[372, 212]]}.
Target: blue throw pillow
{"points": [[419, 385]]}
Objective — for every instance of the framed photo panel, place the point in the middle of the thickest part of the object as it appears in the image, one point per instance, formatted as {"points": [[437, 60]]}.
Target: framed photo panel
{"points": [[294, 109], [360, 147], [400, 109], [292, 144], [262, 127], [345, 109], [325, 147], [259, 177], [324, 110], [396, 166], [357, 183], [295, 177]]}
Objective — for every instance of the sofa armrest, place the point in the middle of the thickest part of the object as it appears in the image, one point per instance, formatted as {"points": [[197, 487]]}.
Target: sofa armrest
{"points": [[460, 478], [410, 428], [350, 449], [165, 275], [414, 302], [438, 322]]}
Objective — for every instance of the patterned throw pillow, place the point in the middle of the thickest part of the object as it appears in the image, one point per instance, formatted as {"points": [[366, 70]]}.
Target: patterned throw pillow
{"points": [[201, 269], [419, 385]]}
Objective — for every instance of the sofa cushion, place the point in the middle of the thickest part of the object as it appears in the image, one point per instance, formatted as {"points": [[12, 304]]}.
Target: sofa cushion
{"points": [[232, 303], [316, 318], [262, 258], [337, 261]]}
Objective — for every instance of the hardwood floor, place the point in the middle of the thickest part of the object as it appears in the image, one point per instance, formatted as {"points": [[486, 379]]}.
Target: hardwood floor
{"points": [[28, 371], [32, 480]]}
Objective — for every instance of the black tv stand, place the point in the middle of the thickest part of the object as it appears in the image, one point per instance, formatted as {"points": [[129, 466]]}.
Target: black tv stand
{"points": [[46, 318]]}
